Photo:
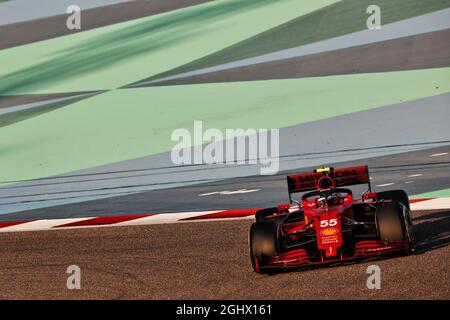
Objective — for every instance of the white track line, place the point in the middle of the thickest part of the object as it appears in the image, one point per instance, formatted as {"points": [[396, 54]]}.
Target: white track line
{"points": [[208, 193], [227, 193], [439, 154], [386, 184], [415, 175]]}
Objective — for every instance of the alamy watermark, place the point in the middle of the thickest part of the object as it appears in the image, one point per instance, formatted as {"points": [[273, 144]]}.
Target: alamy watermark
{"points": [[73, 21], [374, 20], [74, 279], [374, 280], [231, 146]]}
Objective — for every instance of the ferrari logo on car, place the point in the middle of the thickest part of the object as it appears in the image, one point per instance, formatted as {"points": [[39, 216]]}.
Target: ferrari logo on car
{"points": [[329, 231]]}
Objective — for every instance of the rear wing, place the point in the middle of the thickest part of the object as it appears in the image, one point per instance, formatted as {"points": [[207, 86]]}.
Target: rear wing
{"points": [[342, 177]]}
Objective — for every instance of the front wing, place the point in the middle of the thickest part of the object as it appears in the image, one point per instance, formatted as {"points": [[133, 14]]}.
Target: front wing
{"points": [[363, 250]]}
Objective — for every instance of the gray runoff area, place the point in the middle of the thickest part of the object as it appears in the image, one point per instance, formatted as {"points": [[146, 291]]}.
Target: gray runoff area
{"points": [[409, 126], [24, 10], [413, 172], [435, 21], [32, 105]]}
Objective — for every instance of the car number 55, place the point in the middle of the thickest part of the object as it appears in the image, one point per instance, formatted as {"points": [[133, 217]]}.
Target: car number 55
{"points": [[330, 222]]}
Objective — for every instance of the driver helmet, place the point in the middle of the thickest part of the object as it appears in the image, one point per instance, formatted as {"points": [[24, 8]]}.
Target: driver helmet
{"points": [[321, 202], [333, 199]]}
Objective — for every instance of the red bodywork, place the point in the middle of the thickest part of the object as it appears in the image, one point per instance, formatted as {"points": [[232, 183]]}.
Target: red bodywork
{"points": [[326, 222]]}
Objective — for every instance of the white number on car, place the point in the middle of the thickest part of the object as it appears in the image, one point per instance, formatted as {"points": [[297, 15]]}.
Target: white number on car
{"points": [[326, 223]]}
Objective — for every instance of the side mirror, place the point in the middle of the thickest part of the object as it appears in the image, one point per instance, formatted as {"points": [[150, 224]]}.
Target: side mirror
{"points": [[348, 200], [370, 196]]}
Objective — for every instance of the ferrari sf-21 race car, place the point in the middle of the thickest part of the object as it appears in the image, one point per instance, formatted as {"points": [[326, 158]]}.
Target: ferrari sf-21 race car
{"points": [[326, 224]]}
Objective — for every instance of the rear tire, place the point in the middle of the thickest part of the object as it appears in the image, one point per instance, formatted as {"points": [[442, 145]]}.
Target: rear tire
{"points": [[263, 245]]}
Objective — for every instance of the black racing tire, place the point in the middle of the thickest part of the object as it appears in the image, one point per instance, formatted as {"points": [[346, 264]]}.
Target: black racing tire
{"points": [[400, 196], [390, 222], [261, 215], [395, 196], [264, 243]]}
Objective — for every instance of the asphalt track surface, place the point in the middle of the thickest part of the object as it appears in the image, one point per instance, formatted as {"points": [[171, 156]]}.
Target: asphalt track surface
{"points": [[415, 172], [206, 260]]}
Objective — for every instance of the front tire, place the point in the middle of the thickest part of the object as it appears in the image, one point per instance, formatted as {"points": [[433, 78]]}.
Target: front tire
{"points": [[395, 196], [389, 223], [263, 245], [261, 215], [400, 196]]}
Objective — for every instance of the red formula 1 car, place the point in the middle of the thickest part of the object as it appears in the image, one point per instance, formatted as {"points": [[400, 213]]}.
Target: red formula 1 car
{"points": [[328, 225]]}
